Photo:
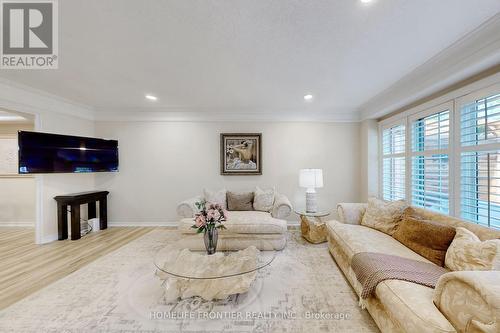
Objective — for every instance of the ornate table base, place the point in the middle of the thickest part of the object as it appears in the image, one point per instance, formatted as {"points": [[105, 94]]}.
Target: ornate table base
{"points": [[195, 264], [313, 229]]}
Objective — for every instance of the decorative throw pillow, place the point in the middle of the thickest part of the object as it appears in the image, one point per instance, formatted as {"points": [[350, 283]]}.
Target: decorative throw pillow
{"points": [[239, 201], [383, 215], [218, 197], [263, 200], [468, 253], [425, 237]]}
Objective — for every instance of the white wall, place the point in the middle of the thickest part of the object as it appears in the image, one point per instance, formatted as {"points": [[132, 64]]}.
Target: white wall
{"points": [[369, 164], [58, 184], [162, 163], [17, 193], [56, 115]]}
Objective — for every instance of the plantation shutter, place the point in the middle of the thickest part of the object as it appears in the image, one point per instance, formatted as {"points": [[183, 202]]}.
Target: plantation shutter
{"points": [[430, 161], [393, 163], [480, 161]]}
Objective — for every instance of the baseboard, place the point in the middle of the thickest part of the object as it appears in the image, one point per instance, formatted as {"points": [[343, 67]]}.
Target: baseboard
{"points": [[18, 224], [142, 224], [48, 239]]}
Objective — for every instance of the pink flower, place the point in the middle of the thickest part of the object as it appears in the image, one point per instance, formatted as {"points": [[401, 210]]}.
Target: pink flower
{"points": [[213, 214], [200, 221]]}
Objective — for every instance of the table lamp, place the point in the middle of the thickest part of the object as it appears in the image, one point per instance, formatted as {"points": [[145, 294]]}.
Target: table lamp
{"points": [[311, 179]]}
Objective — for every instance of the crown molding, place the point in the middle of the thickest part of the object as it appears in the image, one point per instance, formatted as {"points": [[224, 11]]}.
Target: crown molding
{"points": [[473, 53], [25, 99], [235, 115]]}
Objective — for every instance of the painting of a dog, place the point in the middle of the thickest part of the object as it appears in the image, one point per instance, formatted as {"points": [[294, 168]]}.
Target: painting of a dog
{"points": [[241, 154]]}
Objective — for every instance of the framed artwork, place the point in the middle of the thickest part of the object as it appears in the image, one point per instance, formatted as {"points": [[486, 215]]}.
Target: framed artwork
{"points": [[240, 154]]}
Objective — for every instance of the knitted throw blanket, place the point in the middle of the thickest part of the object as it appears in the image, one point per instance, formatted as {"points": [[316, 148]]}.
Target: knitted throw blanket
{"points": [[372, 268]]}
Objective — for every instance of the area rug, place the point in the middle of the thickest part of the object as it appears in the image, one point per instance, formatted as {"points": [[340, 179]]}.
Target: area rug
{"points": [[301, 291]]}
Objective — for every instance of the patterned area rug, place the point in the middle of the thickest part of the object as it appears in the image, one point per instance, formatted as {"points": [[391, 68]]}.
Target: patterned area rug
{"points": [[301, 291]]}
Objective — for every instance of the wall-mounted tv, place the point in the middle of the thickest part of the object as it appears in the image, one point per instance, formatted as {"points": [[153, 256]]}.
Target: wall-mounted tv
{"points": [[54, 153]]}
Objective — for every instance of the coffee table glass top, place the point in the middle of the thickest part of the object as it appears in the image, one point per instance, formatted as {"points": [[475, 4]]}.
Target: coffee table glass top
{"points": [[175, 260], [312, 214]]}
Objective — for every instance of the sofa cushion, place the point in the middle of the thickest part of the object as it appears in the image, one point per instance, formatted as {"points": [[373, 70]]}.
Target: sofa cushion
{"points": [[239, 201], [357, 238], [383, 215], [218, 197], [263, 199], [427, 238], [468, 253], [244, 222], [411, 306]]}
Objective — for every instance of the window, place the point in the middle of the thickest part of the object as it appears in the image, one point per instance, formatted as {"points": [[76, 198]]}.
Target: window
{"points": [[448, 158], [430, 160], [393, 164], [480, 161]]}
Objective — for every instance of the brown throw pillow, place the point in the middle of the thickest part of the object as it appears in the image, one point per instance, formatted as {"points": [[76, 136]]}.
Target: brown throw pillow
{"points": [[425, 237], [239, 201]]}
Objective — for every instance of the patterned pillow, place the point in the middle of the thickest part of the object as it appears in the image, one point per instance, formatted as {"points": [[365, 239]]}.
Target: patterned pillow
{"points": [[468, 253], [218, 197], [263, 199], [382, 215]]}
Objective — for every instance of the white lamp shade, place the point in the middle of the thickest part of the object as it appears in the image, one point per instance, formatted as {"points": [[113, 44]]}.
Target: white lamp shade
{"points": [[311, 178]]}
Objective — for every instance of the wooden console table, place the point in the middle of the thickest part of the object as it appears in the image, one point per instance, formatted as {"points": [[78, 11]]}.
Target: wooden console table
{"points": [[74, 201]]}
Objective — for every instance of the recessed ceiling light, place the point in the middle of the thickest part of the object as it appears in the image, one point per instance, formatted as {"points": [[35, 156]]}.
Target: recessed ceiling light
{"points": [[151, 97], [366, 1], [308, 97]]}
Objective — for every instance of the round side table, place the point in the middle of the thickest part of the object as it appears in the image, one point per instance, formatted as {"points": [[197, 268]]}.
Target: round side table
{"points": [[313, 229]]}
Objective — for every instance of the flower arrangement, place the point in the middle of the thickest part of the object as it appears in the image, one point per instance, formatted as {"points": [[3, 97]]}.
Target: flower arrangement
{"points": [[208, 220], [210, 216]]}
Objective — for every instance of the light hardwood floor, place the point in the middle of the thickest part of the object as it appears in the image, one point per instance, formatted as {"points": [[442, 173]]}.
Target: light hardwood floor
{"points": [[26, 267]]}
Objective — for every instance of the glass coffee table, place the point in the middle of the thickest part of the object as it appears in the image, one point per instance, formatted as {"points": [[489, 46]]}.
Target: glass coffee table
{"points": [[187, 273], [312, 227]]}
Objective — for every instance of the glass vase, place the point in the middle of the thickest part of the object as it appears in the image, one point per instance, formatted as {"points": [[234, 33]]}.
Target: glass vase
{"points": [[210, 238]]}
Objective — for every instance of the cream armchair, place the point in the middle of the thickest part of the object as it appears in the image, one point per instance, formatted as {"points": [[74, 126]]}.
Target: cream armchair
{"points": [[264, 230], [470, 300], [281, 210]]}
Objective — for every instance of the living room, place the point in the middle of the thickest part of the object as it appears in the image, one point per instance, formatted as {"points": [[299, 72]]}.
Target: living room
{"points": [[241, 166]]}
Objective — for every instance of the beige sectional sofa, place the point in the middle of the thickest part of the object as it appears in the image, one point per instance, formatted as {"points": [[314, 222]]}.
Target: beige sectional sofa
{"points": [[463, 301], [264, 230]]}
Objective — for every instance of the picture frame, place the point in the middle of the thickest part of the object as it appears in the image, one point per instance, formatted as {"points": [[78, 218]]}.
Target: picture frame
{"points": [[240, 154]]}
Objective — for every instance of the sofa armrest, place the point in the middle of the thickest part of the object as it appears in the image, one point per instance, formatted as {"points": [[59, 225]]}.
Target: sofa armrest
{"points": [[282, 207], [351, 213], [187, 208], [470, 300]]}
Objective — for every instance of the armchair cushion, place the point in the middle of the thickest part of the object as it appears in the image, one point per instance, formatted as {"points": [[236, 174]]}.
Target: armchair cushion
{"points": [[470, 300], [243, 222], [239, 201], [218, 197], [263, 199]]}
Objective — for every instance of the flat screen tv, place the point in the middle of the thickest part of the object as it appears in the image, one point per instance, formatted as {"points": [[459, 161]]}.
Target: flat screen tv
{"points": [[54, 153]]}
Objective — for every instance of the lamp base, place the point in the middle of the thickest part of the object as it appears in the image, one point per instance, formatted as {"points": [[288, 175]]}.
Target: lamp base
{"points": [[311, 203]]}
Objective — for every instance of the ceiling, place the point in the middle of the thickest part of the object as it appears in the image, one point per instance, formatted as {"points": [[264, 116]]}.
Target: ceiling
{"points": [[235, 57]]}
